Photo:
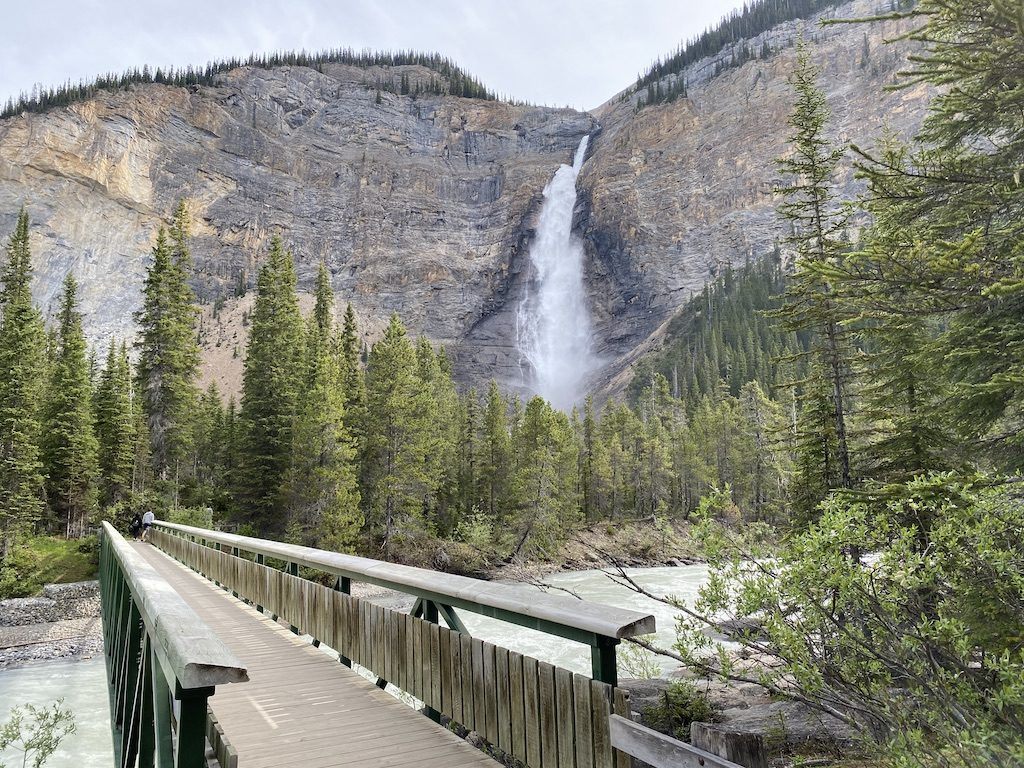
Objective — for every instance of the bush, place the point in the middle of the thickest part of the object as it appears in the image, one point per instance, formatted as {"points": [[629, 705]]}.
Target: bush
{"points": [[681, 703], [919, 646], [19, 573], [197, 517]]}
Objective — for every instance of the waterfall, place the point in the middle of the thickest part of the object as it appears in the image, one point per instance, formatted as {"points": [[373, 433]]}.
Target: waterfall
{"points": [[553, 324]]}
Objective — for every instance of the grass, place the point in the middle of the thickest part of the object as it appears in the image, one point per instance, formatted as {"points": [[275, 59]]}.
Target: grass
{"points": [[62, 561]]}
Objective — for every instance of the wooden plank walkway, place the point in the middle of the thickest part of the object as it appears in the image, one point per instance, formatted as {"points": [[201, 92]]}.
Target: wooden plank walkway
{"points": [[301, 706]]}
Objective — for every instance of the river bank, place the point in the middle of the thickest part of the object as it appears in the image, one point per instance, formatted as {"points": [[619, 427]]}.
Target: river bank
{"points": [[62, 623]]}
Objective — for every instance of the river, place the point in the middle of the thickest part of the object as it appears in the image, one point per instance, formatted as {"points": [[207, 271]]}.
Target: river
{"points": [[683, 582], [83, 686]]}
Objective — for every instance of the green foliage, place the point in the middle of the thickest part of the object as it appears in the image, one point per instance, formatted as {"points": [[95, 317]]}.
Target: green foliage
{"points": [[69, 442], [198, 517], [21, 376], [920, 647], [168, 350], [42, 560], [452, 79], [36, 732], [270, 390], [680, 704]]}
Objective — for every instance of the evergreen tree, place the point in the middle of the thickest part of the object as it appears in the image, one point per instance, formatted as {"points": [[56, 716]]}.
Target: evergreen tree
{"points": [[271, 384], [398, 478], [818, 222], [496, 456], [944, 257], [168, 350], [351, 380], [543, 487], [69, 444], [321, 492], [115, 427], [21, 369]]}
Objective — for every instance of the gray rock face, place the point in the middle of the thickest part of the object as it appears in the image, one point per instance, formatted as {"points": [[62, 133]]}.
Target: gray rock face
{"points": [[418, 205], [426, 205], [676, 191]]}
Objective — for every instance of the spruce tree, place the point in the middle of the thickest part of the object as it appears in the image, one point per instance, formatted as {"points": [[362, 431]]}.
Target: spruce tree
{"points": [[271, 382], [69, 443], [496, 455], [21, 368], [115, 427], [818, 221], [168, 350], [398, 474], [945, 253], [351, 379]]}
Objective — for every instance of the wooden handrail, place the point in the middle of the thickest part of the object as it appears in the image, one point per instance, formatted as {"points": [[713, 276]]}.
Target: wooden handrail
{"points": [[567, 617], [191, 655], [163, 663], [658, 750]]}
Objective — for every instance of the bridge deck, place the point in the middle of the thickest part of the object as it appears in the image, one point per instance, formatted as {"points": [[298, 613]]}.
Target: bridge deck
{"points": [[300, 706]]}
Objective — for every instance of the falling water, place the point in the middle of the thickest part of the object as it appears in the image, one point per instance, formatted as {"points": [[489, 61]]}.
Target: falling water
{"points": [[553, 324]]}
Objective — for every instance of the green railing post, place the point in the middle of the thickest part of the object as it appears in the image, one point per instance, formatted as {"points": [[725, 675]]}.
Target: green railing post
{"points": [[259, 561], [191, 741], [602, 657]]}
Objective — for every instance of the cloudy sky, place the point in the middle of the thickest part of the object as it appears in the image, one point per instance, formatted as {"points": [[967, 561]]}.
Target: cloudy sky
{"points": [[557, 52]]}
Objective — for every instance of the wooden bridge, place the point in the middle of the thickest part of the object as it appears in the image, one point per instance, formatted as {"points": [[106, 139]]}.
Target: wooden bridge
{"points": [[204, 611]]}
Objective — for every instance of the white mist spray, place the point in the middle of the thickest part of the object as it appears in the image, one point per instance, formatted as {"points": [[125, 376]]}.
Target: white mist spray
{"points": [[554, 331]]}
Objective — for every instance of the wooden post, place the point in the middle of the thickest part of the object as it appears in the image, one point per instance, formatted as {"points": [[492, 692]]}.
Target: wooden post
{"points": [[746, 749]]}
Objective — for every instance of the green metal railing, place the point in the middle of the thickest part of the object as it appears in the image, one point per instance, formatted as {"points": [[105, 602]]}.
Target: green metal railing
{"points": [[163, 663]]}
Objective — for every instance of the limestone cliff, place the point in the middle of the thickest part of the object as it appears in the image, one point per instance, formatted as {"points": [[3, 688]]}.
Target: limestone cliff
{"points": [[425, 205], [674, 191], [418, 205]]}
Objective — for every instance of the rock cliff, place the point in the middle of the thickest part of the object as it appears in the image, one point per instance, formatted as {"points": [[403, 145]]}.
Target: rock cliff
{"points": [[424, 205]]}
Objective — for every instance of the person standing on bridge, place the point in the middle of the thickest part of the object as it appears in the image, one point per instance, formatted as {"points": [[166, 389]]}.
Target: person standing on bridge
{"points": [[147, 521]]}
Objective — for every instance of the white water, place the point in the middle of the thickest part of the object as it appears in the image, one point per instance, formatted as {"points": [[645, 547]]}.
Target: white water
{"points": [[553, 331], [682, 582], [83, 686]]}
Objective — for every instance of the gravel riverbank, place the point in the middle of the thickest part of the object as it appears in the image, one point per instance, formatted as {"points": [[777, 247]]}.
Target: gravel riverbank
{"points": [[63, 623]]}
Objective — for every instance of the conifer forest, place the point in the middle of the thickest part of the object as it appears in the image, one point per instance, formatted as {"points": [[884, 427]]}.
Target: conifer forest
{"points": [[834, 424]]}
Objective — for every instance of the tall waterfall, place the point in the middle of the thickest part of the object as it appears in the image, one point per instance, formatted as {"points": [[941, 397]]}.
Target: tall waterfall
{"points": [[553, 324]]}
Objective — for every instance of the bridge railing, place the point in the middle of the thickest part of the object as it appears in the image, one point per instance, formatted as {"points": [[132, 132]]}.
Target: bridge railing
{"points": [[540, 714], [163, 663]]}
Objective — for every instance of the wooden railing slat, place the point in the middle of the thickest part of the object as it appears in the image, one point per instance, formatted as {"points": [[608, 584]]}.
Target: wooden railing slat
{"points": [[548, 715], [566, 718], [501, 678], [584, 725]]}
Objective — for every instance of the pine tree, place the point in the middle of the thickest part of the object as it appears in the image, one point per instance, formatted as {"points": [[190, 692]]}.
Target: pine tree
{"points": [[818, 222], [321, 492], [168, 350], [271, 382], [945, 253], [397, 475], [351, 379], [496, 455], [543, 484], [69, 444], [21, 368], [115, 427]]}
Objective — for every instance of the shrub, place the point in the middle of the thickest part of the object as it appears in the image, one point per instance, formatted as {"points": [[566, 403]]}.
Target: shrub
{"points": [[681, 703]]}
